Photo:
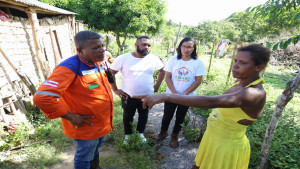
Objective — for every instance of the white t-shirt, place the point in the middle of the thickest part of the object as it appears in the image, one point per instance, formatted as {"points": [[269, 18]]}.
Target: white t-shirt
{"points": [[137, 73], [184, 72]]}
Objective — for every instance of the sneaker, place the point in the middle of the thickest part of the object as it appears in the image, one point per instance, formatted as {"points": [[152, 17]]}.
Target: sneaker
{"points": [[126, 140], [143, 137]]}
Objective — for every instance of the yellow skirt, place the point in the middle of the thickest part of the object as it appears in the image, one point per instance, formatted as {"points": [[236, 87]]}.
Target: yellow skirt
{"points": [[222, 153]]}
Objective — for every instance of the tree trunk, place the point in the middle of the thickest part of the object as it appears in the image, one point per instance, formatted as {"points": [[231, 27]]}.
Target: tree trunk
{"points": [[125, 37], [282, 101], [204, 45], [107, 42], [232, 59], [178, 33], [118, 41], [199, 45], [161, 47], [210, 59]]}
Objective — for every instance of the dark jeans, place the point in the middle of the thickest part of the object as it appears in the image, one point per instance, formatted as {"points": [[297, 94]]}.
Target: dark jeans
{"points": [[169, 110], [129, 108]]}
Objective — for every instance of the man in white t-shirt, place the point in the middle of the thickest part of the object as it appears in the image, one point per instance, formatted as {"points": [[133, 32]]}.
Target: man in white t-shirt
{"points": [[137, 79], [108, 59]]}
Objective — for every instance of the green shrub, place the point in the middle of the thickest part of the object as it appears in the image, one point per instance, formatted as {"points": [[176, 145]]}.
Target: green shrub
{"points": [[191, 132], [11, 140]]}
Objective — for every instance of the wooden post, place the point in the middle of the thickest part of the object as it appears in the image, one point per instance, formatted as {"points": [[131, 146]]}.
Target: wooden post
{"points": [[46, 57], [35, 32], [73, 31], [53, 48], [19, 102], [57, 43], [11, 104], [7, 77], [22, 75], [2, 112]]}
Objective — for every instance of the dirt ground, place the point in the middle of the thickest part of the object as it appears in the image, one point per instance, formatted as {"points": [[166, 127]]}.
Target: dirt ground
{"points": [[68, 155], [173, 158]]}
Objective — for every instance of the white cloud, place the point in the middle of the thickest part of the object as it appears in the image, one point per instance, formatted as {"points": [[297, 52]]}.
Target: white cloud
{"points": [[191, 12]]}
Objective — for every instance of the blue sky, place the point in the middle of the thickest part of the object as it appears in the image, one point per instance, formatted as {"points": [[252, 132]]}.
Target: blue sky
{"points": [[191, 12]]}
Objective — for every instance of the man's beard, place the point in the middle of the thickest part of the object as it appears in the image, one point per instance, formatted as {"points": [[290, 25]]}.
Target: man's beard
{"points": [[142, 52]]}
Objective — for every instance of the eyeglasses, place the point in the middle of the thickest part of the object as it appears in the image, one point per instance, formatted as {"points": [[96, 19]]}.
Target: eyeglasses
{"points": [[187, 47]]}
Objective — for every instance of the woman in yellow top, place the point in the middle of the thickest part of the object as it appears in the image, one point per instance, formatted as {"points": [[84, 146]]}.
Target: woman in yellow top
{"points": [[224, 144]]}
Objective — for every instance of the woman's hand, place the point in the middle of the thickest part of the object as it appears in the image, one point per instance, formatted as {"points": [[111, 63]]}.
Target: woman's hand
{"points": [[151, 100]]}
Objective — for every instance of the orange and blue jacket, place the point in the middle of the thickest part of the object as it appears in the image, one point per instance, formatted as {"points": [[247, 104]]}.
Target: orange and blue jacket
{"points": [[79, 88]]}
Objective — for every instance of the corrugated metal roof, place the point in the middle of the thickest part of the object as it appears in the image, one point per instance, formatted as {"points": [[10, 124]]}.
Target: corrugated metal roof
{"points": [[39, 6]]}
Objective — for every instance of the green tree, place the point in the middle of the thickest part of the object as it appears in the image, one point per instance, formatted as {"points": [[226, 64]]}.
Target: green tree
{"points": [[168, 34], [228, 30], [280, 14], [286, 14], [64, 4], [208, 32], [250, 28], [122, 17]]}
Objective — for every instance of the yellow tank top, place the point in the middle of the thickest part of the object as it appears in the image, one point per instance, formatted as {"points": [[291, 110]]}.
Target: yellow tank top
{"points": [[227, 118], [237, 113]]}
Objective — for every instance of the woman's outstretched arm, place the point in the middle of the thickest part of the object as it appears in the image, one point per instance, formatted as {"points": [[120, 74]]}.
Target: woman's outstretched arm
{"points": [[244, 97]]}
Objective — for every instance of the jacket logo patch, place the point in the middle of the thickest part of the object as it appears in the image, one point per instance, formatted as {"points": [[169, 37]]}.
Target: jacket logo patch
{"points": [[93, 86], [88, 72]]}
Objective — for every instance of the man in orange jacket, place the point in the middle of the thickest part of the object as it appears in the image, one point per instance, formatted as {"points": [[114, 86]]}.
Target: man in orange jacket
{"points": [[78, 91]]}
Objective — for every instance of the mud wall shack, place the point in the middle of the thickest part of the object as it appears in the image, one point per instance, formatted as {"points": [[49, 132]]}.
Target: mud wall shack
{"points": [[34, 38]]}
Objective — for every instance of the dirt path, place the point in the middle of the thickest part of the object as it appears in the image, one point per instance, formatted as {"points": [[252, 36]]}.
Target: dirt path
{"points": [[67, 159], [174, 158]]}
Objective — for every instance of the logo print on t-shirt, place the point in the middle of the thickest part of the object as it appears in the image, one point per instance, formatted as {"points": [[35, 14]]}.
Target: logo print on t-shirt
{"points": [[182, 74]]}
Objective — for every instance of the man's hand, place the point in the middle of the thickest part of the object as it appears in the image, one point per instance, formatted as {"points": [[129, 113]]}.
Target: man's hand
{"points": [[120, 93], [77, 119]]}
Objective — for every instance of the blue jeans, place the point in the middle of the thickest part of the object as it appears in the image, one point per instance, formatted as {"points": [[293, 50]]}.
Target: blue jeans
{"points": [[86, 150]]}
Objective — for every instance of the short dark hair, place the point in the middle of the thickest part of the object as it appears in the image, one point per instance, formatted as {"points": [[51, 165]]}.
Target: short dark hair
{"points": [[82, 38], [142, 37], [187, 39], [259, 53]]}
